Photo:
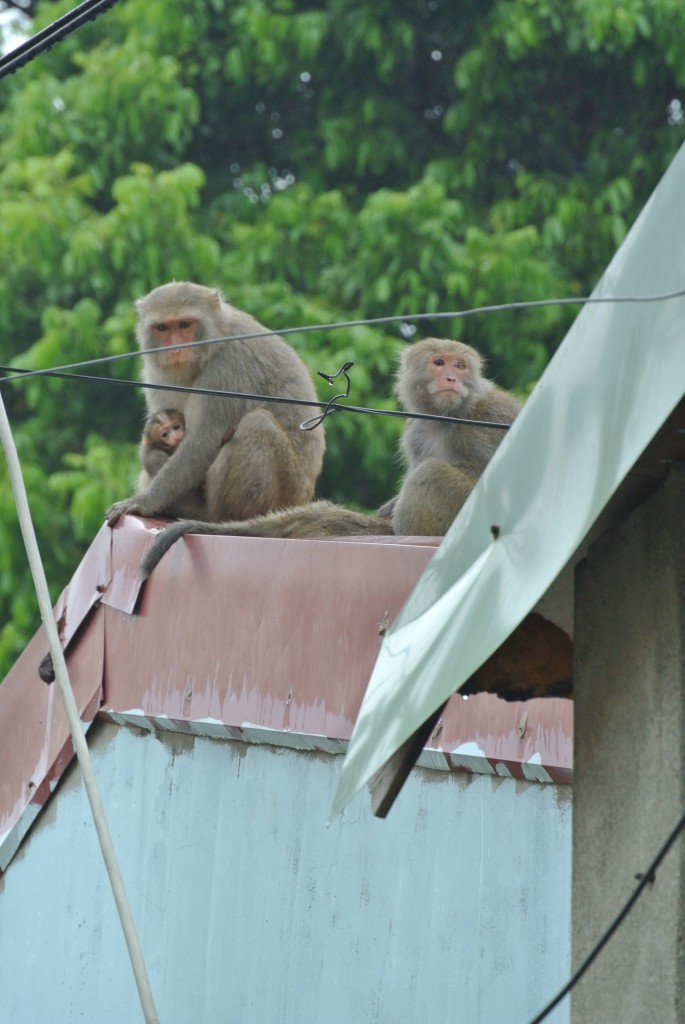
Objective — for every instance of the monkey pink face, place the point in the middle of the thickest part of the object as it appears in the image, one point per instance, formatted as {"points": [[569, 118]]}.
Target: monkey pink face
{"points": [[448, 372], [171, 436], [173, 331]]}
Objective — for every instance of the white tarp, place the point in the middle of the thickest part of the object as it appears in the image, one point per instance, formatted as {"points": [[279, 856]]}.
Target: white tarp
{"points": [[616, 377]]}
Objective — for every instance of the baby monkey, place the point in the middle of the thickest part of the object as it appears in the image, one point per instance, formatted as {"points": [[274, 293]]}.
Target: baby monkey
{"points": [[162, 434]]}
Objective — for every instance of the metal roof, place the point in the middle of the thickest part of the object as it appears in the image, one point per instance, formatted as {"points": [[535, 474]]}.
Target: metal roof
{"points": [[260, 640]]}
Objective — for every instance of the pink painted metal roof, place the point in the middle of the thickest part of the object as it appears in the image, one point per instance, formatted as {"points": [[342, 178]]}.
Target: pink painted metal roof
{"points": [[253, 639]]}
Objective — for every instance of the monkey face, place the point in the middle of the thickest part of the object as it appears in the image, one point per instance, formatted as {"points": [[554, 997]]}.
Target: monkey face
{"points": [[171, 435], [165, 429], [447, 373], [438, 376], [175, 331]]}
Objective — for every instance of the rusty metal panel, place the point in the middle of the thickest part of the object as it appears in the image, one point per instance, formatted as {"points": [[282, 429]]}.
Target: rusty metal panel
{"points": [[242, 897], [35, 743], [128, 543], [523, 740], [91, 578], [279, 634], [260, 640], [273, 641]]}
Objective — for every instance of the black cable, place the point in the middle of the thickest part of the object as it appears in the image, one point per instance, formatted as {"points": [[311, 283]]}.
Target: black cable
{"points": [[279, 399], [645, 880], [53, 33], [455, 314]]}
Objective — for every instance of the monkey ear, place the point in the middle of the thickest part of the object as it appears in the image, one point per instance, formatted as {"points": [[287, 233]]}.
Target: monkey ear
{"points": [[216, 299], [479, 361]]}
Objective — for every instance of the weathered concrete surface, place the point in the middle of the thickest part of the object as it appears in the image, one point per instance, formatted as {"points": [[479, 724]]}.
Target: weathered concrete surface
{"points": [[250, 910], [629, 764]]}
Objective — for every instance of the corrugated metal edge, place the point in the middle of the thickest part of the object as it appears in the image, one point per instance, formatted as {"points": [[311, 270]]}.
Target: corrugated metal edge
{"points": [[478, 756], [86, 587], [35, 740], [128, 542]]}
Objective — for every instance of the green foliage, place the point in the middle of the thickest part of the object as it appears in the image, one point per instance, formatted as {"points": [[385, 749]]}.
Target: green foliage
{"points": [[321, 163], [89, 478]]}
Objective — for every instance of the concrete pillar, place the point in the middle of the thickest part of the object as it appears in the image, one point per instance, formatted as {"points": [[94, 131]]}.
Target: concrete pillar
{"points": [[629, 764]]}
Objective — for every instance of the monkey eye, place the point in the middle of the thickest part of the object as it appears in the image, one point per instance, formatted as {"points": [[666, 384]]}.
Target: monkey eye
{"points": [[461, 365], [439, 361], [160, 327], [185, 324]]}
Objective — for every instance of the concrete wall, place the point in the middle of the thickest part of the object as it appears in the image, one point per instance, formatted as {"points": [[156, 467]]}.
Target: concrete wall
{"points": [[457, 907], [630, 763]]}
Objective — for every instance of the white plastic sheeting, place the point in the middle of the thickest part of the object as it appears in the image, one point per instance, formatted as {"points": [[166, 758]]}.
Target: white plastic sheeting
{"points": [[616, 377]]}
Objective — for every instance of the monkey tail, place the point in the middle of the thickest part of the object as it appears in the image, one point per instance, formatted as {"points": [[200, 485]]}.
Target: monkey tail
{"points": [[318, 519], [163, 542]]}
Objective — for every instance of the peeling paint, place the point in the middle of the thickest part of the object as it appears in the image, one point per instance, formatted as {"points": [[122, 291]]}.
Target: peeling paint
{"points": [[434, 759], [471, 757], [533, 770]]}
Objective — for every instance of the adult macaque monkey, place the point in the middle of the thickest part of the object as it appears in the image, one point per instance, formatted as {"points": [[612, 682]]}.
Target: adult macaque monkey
{"points": [[444, 459], [239, 458]]}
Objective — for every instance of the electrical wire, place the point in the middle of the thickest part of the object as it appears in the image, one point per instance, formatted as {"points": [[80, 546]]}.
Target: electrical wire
{"points": [[330, 407], [53, 33], [278, 399], [503, 307], [648, 877]]}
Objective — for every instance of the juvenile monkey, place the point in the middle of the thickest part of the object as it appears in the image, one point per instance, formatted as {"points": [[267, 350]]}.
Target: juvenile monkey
{"points": [[269, 463], [444, 460]]}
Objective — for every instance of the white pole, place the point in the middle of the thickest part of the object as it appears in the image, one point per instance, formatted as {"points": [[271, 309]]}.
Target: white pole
{"points": [[75, 726]]}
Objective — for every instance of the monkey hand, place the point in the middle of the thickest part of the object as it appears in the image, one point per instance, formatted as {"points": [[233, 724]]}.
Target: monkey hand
{"points": [[134, 505]]}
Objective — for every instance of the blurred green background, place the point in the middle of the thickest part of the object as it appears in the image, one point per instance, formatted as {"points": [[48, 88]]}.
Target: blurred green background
{"points": [[318, 162]]}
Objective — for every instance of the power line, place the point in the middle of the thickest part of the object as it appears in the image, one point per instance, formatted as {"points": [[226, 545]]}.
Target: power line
{"points": [[646, 879], [329, 407], [278, 399], [372, 322], [52, 34]]}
